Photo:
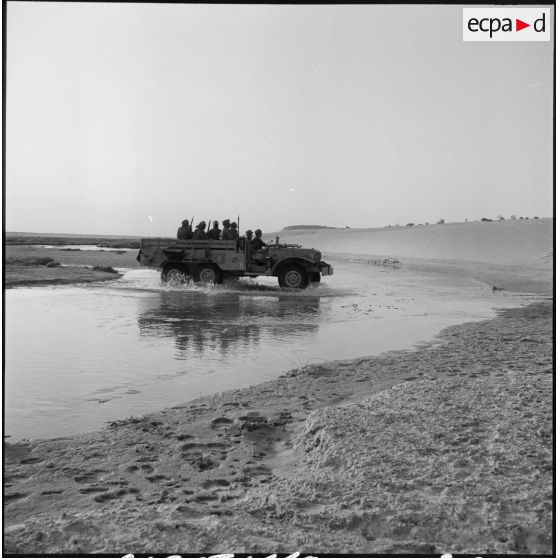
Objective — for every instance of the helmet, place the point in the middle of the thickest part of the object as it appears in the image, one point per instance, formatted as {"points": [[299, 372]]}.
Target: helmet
{"points": [[215, 223], [226, 222], [249, 232], [185, 222], [258, 232], [201, 225], [233, 225]]}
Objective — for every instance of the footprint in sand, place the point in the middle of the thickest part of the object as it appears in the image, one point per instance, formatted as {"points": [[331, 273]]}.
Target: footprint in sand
{"points": [[206, 497], [155, 478], [116, 494], [89, 476], [221, 422], [30, 460], [211, 483], [147, 458], [201, 461], [220, 445], [93, 489], [15, 476], [258, 470], [14, 496], [192, 446]]}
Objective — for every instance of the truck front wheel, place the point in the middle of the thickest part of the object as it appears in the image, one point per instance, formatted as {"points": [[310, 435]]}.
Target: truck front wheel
{"points": [[174, 275], [208, 274], [293, 277]]}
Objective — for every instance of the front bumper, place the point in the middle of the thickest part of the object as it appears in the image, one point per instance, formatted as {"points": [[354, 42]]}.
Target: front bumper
{"points": [[326, 269]]}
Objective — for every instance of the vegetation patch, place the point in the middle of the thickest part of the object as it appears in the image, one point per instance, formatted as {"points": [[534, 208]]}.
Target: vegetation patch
{"points": [[106, 269]]}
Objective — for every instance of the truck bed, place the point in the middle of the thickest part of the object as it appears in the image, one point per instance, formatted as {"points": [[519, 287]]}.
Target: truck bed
{"points": [[156, 251]]}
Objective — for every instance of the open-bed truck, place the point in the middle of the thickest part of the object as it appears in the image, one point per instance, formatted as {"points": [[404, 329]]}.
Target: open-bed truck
{"points": [[210, 261]]}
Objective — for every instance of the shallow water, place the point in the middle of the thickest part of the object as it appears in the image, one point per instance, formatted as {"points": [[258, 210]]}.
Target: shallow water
{"points": [[79, 356], [82, 247]]}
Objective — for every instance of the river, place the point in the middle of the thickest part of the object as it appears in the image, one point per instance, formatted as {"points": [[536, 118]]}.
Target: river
{"points": [[78, 356]]}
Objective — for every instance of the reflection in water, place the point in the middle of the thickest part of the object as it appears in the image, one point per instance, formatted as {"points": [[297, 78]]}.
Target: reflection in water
{"points": [[227, 322]]}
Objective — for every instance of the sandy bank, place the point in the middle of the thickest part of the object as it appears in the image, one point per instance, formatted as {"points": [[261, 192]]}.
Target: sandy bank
{"points": [[447, 448]]}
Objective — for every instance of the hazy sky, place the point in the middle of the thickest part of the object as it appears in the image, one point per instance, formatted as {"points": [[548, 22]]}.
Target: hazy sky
{"points": [[127, 118]]}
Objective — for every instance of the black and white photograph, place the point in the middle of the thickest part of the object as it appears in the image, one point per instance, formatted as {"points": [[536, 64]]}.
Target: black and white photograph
{"points": [[278, 278]]}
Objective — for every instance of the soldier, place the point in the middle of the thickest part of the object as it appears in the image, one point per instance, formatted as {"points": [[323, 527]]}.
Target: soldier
{"points": [[248, 243], [185, 231], [234, 231], [215, 232], [226, 234], [258, 243], [199, 233]]}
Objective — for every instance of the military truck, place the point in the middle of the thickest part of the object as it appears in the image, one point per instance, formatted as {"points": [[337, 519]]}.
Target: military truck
{"points": [[210, 261]]}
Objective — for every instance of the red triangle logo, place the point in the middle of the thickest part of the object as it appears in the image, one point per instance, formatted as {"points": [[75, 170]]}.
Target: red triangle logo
{"points": [[519, 25]]}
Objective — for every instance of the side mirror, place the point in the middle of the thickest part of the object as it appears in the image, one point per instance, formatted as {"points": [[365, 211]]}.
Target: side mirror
{"points": [[276, 240]]}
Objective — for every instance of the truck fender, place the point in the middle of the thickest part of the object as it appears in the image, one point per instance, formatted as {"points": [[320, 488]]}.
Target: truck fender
{"points": [[303, 262]]}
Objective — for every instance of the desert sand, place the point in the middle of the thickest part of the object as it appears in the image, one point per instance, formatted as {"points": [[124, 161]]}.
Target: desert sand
{"points": [[445, 448], [515, 255]]}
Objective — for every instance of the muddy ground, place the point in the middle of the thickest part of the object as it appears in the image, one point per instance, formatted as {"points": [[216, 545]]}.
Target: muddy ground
{"points": [[448, 448], [27, 266]]}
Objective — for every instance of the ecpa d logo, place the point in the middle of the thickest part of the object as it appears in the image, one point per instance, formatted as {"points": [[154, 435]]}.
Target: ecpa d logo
{"points": [[506, 24]]}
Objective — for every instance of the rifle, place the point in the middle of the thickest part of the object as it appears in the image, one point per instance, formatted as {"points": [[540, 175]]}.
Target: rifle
{"points": [[192, 223], [238, 224], [208, 225]]}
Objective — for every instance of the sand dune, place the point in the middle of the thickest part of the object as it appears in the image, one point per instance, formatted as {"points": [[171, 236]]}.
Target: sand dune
{"points": [[509, 255], [520, 242]]}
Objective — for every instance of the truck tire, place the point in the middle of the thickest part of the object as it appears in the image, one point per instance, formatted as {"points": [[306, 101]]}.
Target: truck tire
{"points": [[208, 273], [293, 277], [315, 277], [174, 275]]}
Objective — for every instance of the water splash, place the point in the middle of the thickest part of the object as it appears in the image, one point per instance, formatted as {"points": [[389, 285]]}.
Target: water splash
{"points": [[148, 280]]}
